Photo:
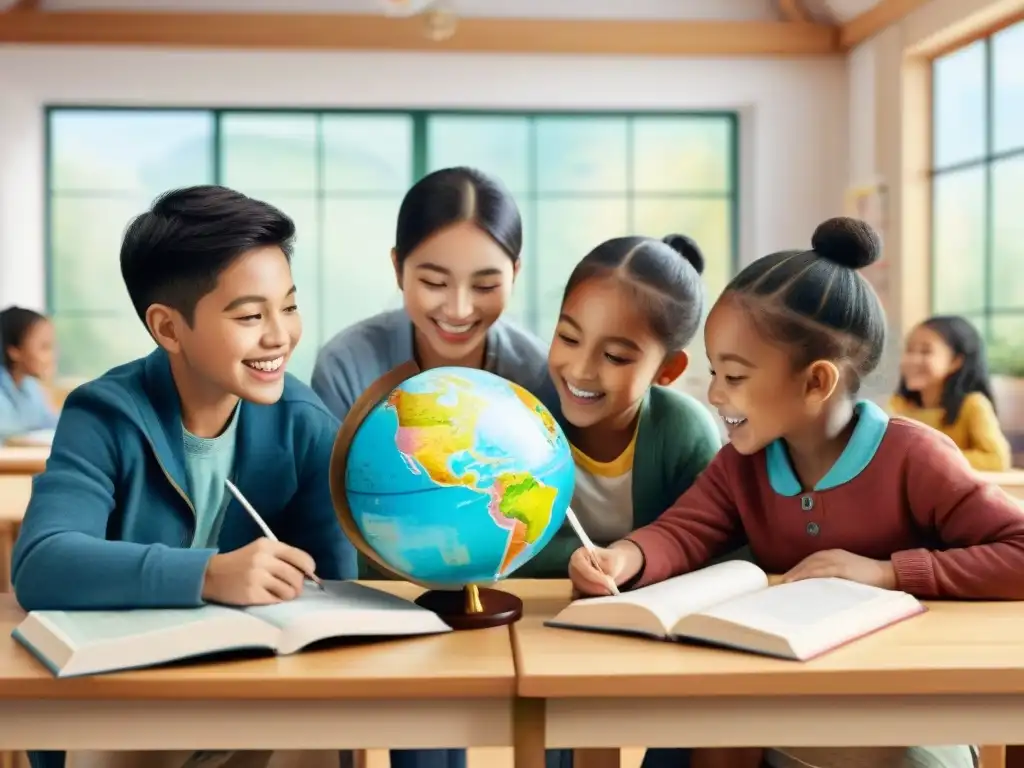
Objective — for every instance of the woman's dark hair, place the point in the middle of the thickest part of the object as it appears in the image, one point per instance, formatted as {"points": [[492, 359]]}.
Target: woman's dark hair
{"points": [[972, 375], [665, 275], [15, 323], [814, 301], [452, 196]]}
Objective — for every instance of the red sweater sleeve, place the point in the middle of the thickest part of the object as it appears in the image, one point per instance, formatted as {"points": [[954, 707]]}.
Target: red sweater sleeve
{"points": [[698, 527], [980, 527]]}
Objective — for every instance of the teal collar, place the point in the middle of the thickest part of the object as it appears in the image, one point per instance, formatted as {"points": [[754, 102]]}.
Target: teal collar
{"points": [[867, 436]]}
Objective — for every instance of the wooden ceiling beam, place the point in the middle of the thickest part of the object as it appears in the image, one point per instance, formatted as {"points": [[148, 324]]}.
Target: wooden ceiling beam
{"points": [[295, 31], [793, 10], [868, 24], [25, 6]]}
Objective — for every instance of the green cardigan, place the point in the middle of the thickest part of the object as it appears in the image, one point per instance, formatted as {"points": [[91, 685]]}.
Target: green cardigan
{"points": [[676, 439]]}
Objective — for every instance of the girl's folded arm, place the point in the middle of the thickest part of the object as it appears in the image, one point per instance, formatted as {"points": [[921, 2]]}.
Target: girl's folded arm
{"points": [[980, 526], [702, 524]]}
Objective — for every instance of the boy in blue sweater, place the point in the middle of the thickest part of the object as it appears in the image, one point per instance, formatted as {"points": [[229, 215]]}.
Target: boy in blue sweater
{"points": [[132, 510]]}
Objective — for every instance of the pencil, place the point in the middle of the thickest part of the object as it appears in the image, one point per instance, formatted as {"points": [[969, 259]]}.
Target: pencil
{"points": [[262, 523], [588, 545]]}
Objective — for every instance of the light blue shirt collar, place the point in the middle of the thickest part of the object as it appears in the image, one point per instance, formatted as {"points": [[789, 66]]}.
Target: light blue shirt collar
{"points": [[867, 435]]}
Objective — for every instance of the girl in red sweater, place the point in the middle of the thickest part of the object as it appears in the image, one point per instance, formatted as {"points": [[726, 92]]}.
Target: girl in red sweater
{"points": [[817, 482]]}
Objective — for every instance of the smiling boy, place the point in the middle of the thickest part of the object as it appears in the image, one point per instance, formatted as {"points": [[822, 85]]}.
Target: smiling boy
{"points": [[132, 510]]}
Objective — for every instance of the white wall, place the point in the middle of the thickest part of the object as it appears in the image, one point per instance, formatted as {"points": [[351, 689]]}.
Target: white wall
{"points": [[793, 115]]}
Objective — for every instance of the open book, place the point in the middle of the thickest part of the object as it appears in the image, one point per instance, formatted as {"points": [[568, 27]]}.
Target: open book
{"points": [[75, 643], [732, 605]]}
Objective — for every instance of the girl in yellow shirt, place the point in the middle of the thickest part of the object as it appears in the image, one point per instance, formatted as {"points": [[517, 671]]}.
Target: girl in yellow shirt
{"points": [[944, 383]]}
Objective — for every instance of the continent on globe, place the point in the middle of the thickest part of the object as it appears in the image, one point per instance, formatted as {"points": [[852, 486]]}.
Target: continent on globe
{"points": [[524, 505], [436, 428]]}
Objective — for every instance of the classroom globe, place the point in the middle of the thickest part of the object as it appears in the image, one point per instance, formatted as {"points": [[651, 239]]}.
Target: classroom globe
{"points": [[456, 476]]}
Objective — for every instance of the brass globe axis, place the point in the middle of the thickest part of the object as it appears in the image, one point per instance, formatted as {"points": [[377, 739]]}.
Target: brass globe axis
{"points": [[472, 607]]}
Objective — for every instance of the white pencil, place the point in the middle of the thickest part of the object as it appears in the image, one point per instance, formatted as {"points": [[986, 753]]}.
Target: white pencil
{"points": [[261, 523], [589, 546]]}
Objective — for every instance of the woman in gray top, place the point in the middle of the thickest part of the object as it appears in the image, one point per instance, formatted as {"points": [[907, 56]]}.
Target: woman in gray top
{"points": [[456, 259]]}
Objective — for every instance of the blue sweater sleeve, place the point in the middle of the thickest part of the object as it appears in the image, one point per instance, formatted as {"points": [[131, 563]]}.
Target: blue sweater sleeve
{"points": [[334, 381], [312, 524], [62, 559]]}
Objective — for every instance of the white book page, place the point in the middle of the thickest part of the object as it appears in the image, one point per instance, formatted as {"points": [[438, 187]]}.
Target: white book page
{"points": [[87, 628], [694, 592], [795, 608]]}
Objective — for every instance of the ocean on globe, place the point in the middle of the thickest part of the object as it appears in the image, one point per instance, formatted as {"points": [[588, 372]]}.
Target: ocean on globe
{"points": [[458, 477]]}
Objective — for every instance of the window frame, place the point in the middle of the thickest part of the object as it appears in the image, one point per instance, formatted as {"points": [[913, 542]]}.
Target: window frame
{"points": [[420, 163], [988, 161]]}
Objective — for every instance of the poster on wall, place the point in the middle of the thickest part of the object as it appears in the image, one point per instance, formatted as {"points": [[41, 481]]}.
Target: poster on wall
{"points": [[869, 202]]}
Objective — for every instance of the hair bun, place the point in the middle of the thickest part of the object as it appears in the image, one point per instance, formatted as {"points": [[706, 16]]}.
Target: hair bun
{"points": [[848, 242], [687, 248]]}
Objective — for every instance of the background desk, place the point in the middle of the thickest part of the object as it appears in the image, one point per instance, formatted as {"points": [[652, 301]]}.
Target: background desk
{"points": [[952, 675], [1012, 482], [16, 460], [15, 491], [438, 691]]}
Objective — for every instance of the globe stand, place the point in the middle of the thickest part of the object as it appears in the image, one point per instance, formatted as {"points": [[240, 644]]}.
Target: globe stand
{"points": [[473, 607]]}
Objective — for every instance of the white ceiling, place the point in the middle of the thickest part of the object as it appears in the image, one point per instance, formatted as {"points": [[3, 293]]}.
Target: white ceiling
{"points": [[731, 10]]}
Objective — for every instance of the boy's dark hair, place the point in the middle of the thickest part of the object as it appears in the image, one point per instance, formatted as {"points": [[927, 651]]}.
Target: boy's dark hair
{"points": [[174, 253], [814, 301], [665, 275], [452, 196], [972, 375], [15, 323]]}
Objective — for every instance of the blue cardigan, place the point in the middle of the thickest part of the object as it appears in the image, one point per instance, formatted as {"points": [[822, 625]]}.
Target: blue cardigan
{"points": [[109, 524]]}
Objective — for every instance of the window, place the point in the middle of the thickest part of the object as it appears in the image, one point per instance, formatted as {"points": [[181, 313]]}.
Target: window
{"points": [[978, 180], [578, 179]]}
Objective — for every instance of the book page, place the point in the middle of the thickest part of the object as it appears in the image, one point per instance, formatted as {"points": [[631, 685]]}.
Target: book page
{"points": [[84, 628], [679, 596], [787, 608], [336, 596]]}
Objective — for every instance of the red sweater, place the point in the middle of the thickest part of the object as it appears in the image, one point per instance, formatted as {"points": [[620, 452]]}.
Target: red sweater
{"points": [[916, 502]]}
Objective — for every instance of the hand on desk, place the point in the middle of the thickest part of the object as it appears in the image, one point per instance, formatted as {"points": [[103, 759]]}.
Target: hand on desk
{"points": [[620, 562], [844, 565], [260, 573]]}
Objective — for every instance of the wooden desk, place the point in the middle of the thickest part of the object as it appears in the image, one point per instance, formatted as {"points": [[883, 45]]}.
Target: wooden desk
{"points": [[952, 675], [17, 460], [1012, 482], [15, 491], [440, 691]]}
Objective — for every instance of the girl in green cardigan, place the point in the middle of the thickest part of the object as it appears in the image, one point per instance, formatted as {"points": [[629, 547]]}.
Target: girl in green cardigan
{"points": [[630, 308]]}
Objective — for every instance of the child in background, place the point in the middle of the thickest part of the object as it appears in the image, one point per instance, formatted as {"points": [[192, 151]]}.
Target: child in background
{"points": [[142, 453], [29, 359], [818, 483], [630, 308], [944, 383]]}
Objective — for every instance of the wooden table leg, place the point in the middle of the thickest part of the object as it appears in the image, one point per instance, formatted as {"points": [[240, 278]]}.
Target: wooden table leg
{"points": [[596, 758], [993, 756], [7, 534], [529, 733]]}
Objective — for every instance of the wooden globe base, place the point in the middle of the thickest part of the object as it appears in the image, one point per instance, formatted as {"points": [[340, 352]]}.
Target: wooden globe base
{"points": [[473, 607]]}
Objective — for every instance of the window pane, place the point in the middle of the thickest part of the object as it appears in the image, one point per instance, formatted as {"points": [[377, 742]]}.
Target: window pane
{"points": [[1008, 88], [1006, 344], [497, 145], [959, 109], [682, 154], [268, 152], [367, 153], [90, 346], [85, 253], [131, 152], [567, 230], [358, 279], [708, 222], [581, 154], [1007, 234], [958, 242], [519, 308]]}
